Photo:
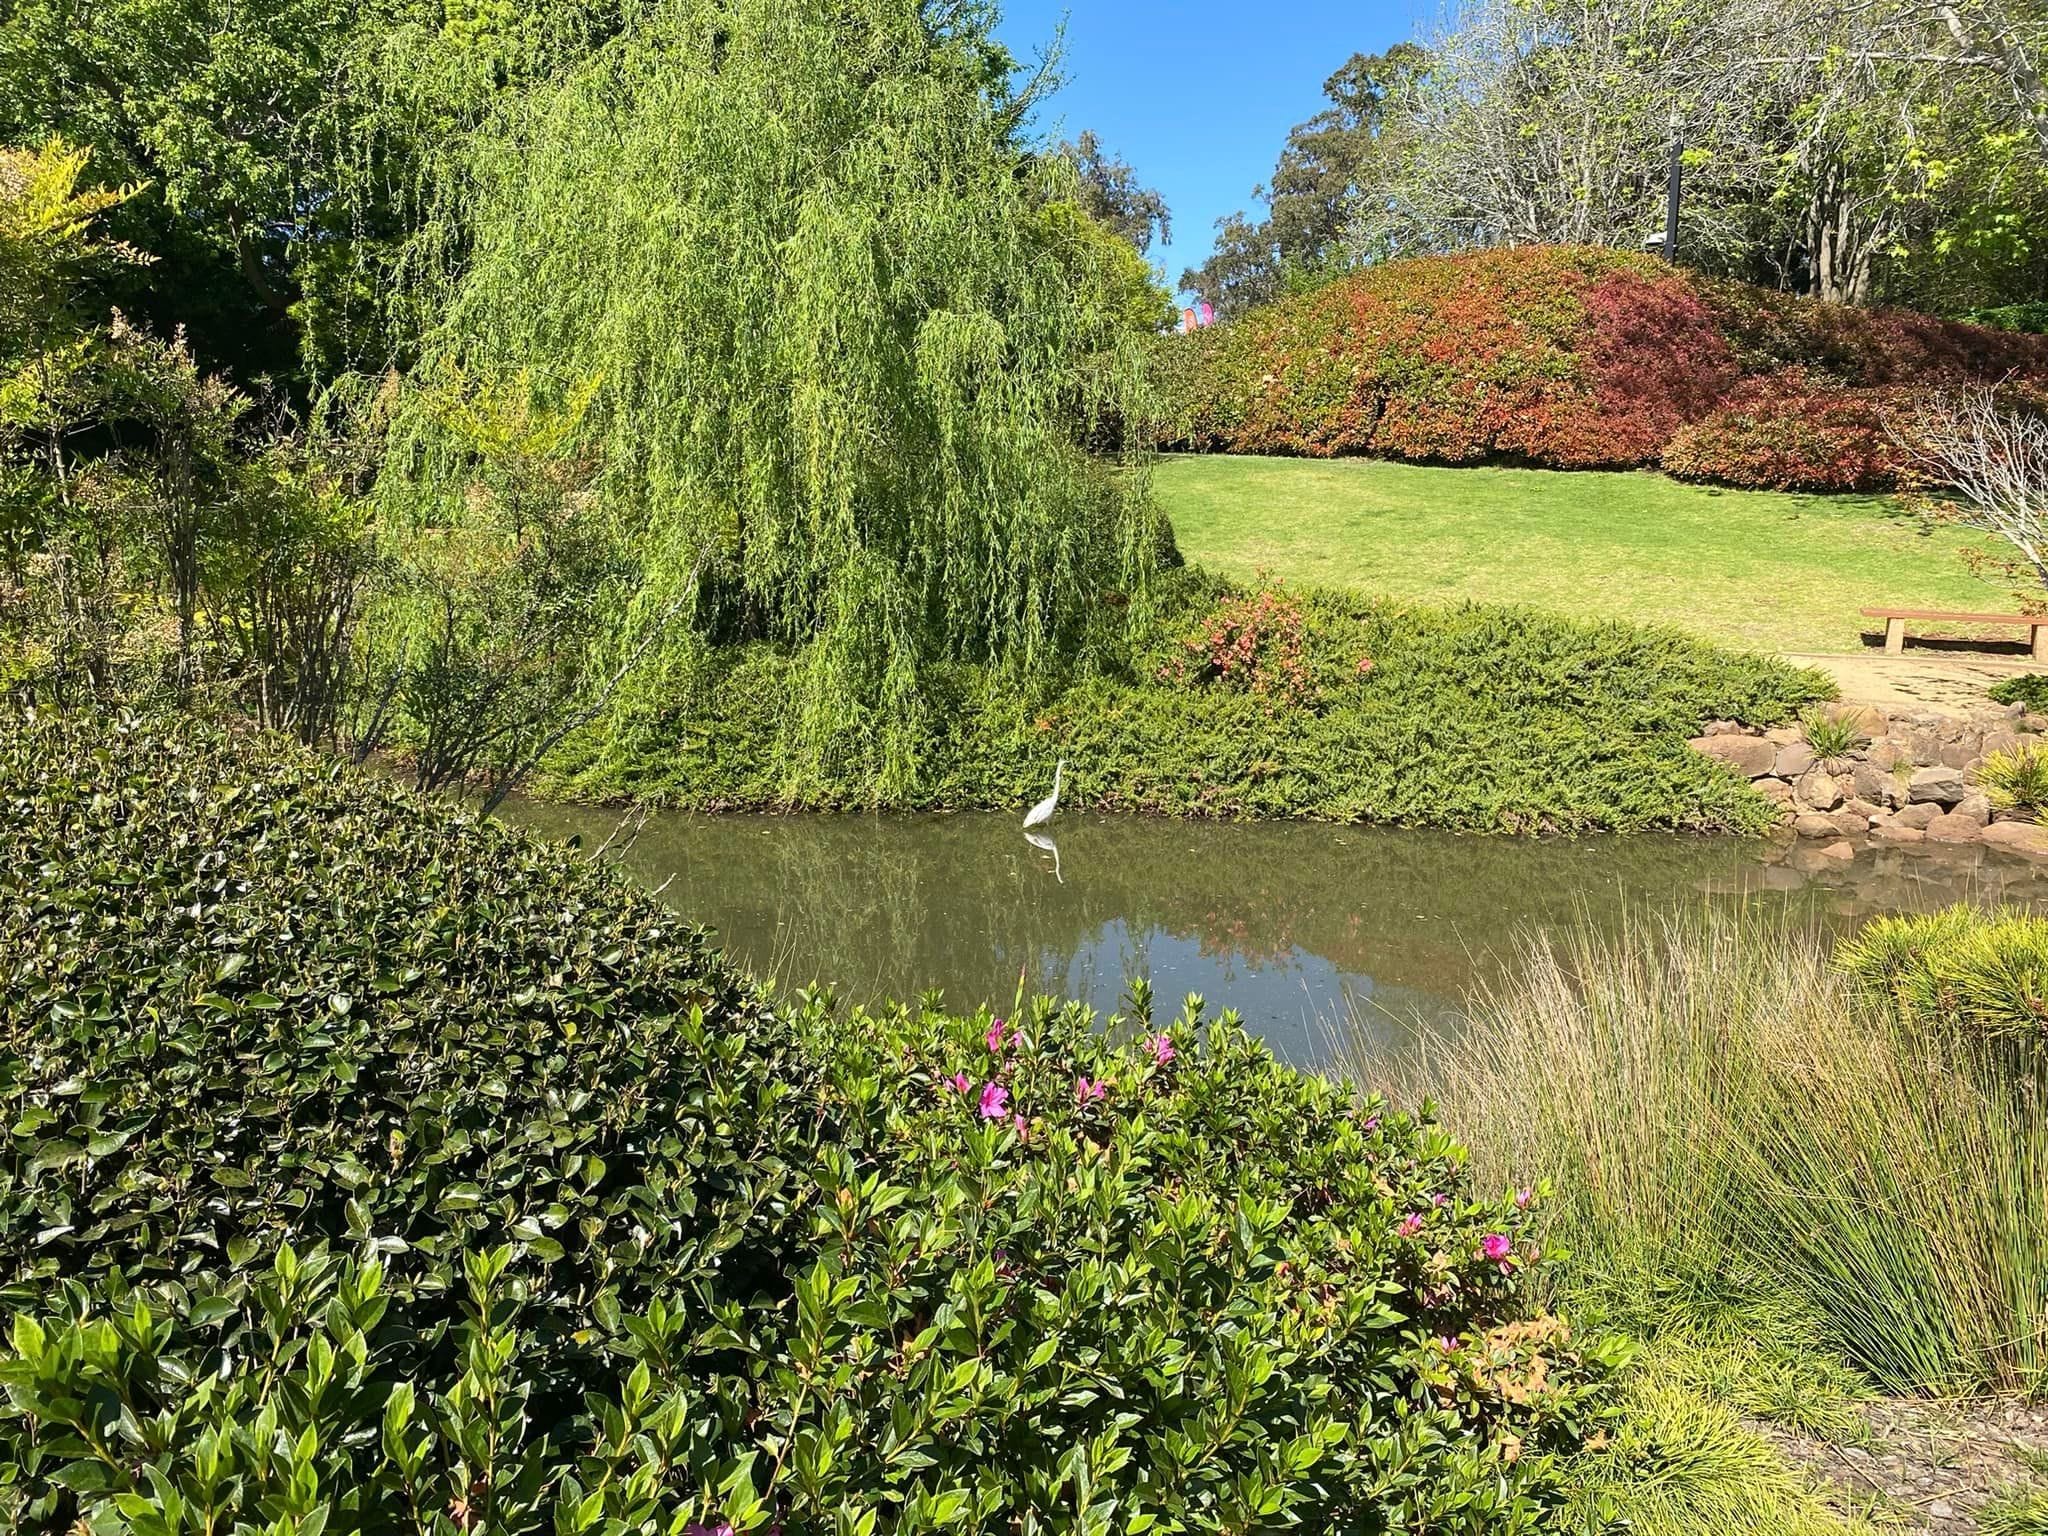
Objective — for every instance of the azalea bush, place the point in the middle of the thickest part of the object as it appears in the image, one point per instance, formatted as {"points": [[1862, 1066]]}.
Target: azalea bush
{"points": [[369, 1167], [1571, 358], [1790, 431]]}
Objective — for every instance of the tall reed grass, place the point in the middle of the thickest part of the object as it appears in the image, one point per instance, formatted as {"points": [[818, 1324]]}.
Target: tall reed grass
{"points": [[1721, 1110]]}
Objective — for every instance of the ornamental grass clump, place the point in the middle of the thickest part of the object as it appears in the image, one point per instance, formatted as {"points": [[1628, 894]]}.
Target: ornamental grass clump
{"points": [[2016, 779], [1731, 1117], [372, 1168]]}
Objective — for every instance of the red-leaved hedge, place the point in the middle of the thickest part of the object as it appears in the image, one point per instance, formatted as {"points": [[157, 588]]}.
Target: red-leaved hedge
{"points": [[1576, 358]]}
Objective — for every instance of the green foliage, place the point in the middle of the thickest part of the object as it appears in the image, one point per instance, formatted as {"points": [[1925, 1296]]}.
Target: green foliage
{"points": [[1830, 735], [2032, 318], [2016, 779], [1477, 718], [1682, 1461], [2016, 1511], [1986, 972], [369, 1166], [1726, 1113], [2029, 689], [845, 351]]}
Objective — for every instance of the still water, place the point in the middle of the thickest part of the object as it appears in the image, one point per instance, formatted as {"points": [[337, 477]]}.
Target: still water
{"points": [[1300, 927]]}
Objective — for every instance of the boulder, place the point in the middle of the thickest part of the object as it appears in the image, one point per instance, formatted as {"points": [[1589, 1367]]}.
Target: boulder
{"points": [[1916, 817], [1868, 720], [1872, 784], [1724, 728], [1963, 751], [1777, 791], [1794, 758], [1820, 790], [1884, 756], [1936, 786], [1892, 832], [2022, 837], [1837, 853], [1784, 735], [1922, 748], [2001, 741], [1851, 823], [1813, 824], [1974, 805], [1954, 829], [1750, 756]]}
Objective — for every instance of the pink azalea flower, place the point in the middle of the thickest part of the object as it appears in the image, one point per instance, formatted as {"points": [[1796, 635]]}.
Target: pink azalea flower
{"points": [[959, 1082], [699, 1528], [1447, 1343], [995, 1101], [1441, 1201], [1372, 1125], [996, 1037], [1495, 1248], [1021, 1126], [1089, 1090], [1162, 1049], [1411, 1226], [1523, 1197]]}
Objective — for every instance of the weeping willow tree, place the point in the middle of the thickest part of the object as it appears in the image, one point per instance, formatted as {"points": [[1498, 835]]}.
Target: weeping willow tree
{"points": [[841, 346]]}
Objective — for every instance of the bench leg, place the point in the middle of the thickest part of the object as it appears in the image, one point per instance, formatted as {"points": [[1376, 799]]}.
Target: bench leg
{"points": [[1895, 638], [2041, 642]]}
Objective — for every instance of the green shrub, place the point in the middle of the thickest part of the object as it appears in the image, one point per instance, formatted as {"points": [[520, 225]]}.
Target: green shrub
{"points": [[2029, 689], [1830, 735], [1475, 718], [374, 1168], [2016, 778], [1984, 971], [2030, 318]]}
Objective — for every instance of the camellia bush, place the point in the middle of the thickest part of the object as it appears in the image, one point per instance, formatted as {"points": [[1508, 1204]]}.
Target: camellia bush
{"points": [[1575, 358], [371, 1168]]}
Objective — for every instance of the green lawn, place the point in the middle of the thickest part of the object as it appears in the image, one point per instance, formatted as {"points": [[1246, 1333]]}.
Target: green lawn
{"points": [[1778, 572]]}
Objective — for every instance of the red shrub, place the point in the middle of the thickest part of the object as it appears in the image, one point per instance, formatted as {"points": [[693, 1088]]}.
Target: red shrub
{"points": [[1576, 359], [1791, 432], [1257, 642]]}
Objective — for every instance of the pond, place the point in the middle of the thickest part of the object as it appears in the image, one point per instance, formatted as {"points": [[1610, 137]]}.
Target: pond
{"points": [[1300, 927]]}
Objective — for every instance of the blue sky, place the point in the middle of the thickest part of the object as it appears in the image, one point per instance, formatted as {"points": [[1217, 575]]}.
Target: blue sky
{"points": [[1198, 95]]}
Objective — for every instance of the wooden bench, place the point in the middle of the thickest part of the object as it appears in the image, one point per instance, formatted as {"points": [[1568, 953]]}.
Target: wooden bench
{"points": [[1895, 625]]}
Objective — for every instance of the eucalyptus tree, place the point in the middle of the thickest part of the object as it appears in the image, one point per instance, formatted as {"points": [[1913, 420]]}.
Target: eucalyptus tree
{"points": [[821, 339]]}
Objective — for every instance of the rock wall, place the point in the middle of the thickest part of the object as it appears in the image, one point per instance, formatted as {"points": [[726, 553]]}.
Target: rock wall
{"points": [[1913, 778]]}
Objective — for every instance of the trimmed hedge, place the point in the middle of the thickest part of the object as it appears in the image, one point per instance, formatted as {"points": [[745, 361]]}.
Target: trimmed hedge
{"points": [[371, 1168], [1574, 358]]}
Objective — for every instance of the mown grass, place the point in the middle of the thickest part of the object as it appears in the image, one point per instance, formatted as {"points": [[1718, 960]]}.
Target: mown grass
{"points": [[1747, 568], [1353, 710]]}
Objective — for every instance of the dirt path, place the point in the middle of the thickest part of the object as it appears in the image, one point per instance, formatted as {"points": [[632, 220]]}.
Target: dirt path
{"points": [[1952, 683], [1929, 1466]]}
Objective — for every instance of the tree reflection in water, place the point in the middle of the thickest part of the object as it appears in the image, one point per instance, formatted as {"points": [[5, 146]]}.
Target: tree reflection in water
{"points": [[1296, 925]]}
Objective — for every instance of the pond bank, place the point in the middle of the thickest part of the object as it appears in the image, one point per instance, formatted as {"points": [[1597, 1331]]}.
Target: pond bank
{"points": [[1899, 777]]}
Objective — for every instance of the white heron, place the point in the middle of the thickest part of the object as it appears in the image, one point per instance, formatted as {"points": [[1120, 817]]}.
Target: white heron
{"points": [[1041, 813]]}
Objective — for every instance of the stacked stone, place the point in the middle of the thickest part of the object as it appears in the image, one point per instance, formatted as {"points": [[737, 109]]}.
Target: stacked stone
{"points": [[1913, 778]]}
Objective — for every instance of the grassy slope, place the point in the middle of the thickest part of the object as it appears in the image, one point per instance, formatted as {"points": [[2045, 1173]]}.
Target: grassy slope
{"points": [[1751, 568]]}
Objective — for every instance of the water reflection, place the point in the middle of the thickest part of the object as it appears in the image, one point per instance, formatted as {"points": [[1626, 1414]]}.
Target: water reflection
{"points": [[1292, 924]]}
